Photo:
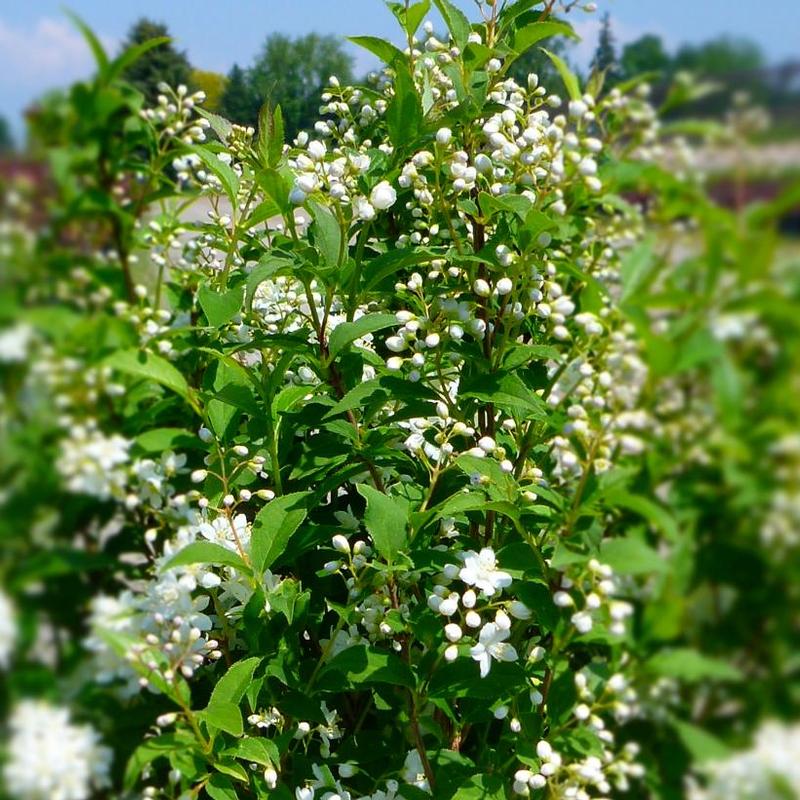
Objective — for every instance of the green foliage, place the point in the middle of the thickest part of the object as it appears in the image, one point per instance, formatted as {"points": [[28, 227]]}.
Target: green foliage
{"points": [[213, 84]]}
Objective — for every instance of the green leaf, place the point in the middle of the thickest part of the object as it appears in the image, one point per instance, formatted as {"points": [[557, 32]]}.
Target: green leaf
{"points": [[99, 53], [274, 526], [525, 37], [257, 750], [219, 308], [226, 717], [133, 54], [659, 517], [385, 51], [230, 688], [326, 234], [386, 519], [227, 177], [206, 553], [637, 268], [361, 665], [457, 23], [270, 134], [221, 126], [223, 707], [159, 440], [702, 745], [347, 332], [151, 367], [414, 15], [147, 752], [508, 392], [387, 264], [567, 75], [404, 114], [481, 787], [631, 556], [691, 666], [220, 788], [233, 769]]}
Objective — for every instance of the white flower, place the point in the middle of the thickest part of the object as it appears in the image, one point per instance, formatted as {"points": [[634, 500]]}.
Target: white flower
{"points": [[383, 196], [8, 629], [492, 645], [50, 758], [15, 343], [414, 772], [363, 209], [582, 621], [317, 150], [231, 533], [480, 569]]}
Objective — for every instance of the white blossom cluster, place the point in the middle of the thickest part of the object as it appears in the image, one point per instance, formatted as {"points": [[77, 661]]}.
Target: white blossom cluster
{"points": [[780, 529], [52, 758], [174, 114], [93, 463], [590, 594], [768, 770]]}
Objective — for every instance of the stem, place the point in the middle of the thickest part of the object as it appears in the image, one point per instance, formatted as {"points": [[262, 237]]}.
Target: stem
{"points": [[419, 744]]}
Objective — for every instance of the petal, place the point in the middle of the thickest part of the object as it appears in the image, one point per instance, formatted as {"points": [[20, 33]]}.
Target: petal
{"points": [[503, 651]]}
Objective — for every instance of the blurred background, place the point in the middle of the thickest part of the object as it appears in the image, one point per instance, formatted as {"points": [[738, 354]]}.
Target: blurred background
{"points": [[243, 53]]}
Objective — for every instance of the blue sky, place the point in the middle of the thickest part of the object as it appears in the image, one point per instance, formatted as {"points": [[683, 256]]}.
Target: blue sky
{"points": [[39, 49]]}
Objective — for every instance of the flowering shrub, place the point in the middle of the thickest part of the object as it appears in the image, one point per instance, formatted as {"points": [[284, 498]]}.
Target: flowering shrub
{"points": [[402, 471]]}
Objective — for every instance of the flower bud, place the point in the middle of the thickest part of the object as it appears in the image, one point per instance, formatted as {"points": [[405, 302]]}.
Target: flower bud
{"points": [[481, 288], [443, 136], [453, 632]]}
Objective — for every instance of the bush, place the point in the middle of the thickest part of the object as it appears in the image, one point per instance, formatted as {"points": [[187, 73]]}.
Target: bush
{"points": [[422, 465]]}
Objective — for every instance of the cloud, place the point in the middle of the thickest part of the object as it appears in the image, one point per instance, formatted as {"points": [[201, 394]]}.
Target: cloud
{"points": [[51, 53]]}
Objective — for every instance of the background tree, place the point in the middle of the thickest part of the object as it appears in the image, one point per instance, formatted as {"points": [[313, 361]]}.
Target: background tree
{"points": [[721, 57], [646, 54], [238, 102], [6, 139], [162, 63], [605, 56], [213, 84], [735, 64], [290, 73]]}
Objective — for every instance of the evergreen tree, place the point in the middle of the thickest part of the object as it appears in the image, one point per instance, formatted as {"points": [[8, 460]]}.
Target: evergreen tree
{"points": [[239, 103], [6, 139], [605, 56], [162, 63]]}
